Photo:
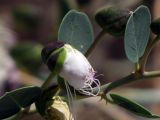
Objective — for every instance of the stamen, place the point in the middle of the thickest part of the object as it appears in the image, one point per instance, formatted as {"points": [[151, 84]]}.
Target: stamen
{"points": [[98, 75], [87, 88], [70, 101], [96, 81], [70, 97]]}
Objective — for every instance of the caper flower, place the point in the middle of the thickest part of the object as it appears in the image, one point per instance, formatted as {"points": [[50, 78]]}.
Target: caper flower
{"points": [[76, 69]]}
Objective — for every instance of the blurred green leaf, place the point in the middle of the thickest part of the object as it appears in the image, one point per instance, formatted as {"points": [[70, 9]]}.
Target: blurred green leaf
{"points": [[26, 17], [132, 106], [137, 33], [12, 102], [64, 8], [76, 30], [155, 26], [83, 3], [28, 56]]}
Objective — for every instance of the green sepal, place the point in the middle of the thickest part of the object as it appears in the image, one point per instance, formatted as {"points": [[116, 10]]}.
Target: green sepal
{"points": [[61, 59], [61, 56]]}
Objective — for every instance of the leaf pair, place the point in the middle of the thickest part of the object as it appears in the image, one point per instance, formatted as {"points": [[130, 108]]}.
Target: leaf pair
{"points": [[76, 30]]}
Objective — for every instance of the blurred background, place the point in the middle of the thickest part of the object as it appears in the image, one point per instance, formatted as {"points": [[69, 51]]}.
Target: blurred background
{"points": [[27, 25]]}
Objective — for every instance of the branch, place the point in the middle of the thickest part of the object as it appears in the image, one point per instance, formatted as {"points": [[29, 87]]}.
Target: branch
{"points": [[131, 78], [100, 35]]}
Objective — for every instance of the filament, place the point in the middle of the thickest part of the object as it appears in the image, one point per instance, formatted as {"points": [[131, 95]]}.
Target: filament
{"points": [[88, 89], [70, 100], [98, 75]]}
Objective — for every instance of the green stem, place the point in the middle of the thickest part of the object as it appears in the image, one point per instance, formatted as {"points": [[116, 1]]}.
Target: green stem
{"points": [[131, 78], [100, 35], [149, 48], [109, 100], [137, 67], [120, 82], [58, 92], [48, 80]]}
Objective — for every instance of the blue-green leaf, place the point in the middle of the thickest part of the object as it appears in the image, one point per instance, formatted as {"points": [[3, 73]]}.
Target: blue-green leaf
{"points": [[137, 33], [76, 30], [12, 102], [132, 106]]}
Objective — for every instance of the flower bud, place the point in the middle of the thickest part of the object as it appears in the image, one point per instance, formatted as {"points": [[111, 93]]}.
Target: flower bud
{"points": [[59, 110], [76, 69], [113, 20], [155, 26]]}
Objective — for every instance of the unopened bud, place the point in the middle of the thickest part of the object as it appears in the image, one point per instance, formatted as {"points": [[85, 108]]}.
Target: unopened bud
{"points": [[113, 20], [155, 26]]}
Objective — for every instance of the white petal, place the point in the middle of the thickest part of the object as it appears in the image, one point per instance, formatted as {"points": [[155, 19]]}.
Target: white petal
{"points": [[76, 68]]}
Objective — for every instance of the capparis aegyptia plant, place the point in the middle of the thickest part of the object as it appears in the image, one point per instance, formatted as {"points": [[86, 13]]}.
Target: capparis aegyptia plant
{"points": [[67, 60]]}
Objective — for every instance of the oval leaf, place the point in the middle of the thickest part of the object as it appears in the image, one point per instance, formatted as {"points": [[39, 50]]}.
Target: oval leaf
{"points": [[132, 106], [76, 30], [137, 33], [8, 107], [13, 101]]}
